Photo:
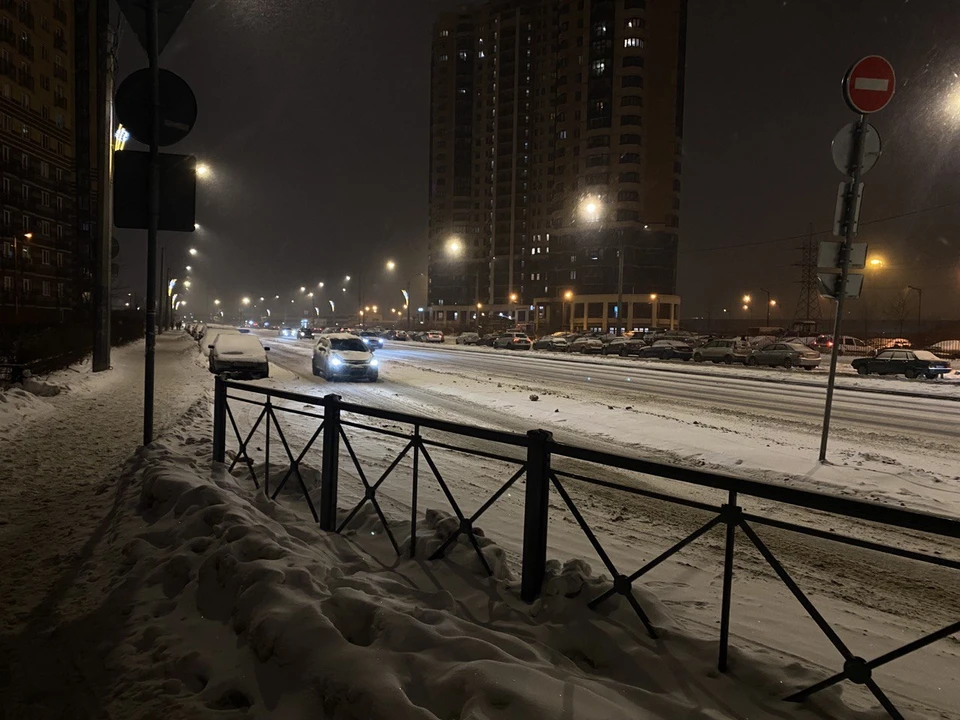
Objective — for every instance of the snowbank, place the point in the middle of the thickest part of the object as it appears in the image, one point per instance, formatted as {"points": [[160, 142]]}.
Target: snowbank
{"points": [[237, 602]]}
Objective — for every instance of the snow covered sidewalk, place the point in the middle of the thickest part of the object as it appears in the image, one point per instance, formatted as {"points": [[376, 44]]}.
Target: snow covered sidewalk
{"points": [[204, 599], [57, 454]]}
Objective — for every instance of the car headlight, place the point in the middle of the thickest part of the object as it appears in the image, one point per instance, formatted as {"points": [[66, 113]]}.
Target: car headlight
{"points": [[335, 361], [374, 362], [366, 341]]}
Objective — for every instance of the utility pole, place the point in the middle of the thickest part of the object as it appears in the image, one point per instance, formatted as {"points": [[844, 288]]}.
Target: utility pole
{"points": [[102, 269], [153, 211], [620, 284], [763, 290]]}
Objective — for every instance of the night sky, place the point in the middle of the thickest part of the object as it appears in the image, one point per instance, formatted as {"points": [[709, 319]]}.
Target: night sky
{"points": [[314, 119]]}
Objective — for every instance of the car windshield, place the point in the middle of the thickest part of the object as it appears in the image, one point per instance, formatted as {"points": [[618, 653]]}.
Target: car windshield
{"points": [[348, 344]]}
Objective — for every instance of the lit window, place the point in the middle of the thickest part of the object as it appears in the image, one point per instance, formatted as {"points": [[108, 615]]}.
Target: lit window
{"points": [[632, 42], [444, 33]]}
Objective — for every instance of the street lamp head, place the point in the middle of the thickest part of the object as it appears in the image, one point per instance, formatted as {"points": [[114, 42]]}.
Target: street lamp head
{"points": [[309, 294], [746, 298], [347, 279], [513, 297], [391, 265], [28, 236], [746, 307], [276, 297], [186, 283], [773, 303], [591, 208], [454, 247], [320, 284], [216, 302], [245, 301], [374, 308], [876, 263], [653, 296], [568, 295], [203, 170], [302, 289], [261, 299], [193, 252], [189, 268], [196, 226]]}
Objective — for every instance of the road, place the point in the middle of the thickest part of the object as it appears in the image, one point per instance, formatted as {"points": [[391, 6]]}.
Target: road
{"points": [[857, 410]]}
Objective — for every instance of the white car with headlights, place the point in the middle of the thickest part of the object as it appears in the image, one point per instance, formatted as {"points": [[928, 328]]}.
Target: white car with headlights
{"points": [[342, 355]]}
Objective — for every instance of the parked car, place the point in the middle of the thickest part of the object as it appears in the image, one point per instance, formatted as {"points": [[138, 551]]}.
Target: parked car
{"points": [[304, 333], [512, 341], [633, 346], [401, 336], [586, 345], [726, 351], [667, 350], [372, 339], [468, 338], [433, 336], [788, 355], [849, 345], [343, 355], [912, 363], [488, 339], [946, 348], [615, 345], [239, 353], [556, 343]]}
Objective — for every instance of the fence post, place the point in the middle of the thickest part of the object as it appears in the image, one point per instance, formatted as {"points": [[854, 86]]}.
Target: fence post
{"points": [[731, 513], [414, 490], [536, 505], [219, 420], [330, 463]]}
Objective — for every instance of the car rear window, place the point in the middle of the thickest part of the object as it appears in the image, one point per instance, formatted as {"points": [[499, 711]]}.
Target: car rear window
{"points": [[925, 355]]}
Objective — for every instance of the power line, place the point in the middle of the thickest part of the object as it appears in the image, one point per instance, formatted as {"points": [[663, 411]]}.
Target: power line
{"points": [[803, 236]]}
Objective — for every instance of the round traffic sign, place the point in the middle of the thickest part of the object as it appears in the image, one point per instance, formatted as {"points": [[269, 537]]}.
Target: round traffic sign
{"points": [[869, 84], [178, 107], [842, 148]]}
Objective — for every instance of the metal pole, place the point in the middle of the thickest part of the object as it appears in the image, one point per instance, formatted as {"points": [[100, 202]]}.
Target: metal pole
{"points": [[535, 514], [153, 204], [768, 305], [620, 286], [101, 286], [409, 301], [849, 234], [16, 267]]}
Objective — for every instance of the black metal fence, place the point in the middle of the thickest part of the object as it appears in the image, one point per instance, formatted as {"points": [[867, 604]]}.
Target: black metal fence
{"points": [[537, 459]]}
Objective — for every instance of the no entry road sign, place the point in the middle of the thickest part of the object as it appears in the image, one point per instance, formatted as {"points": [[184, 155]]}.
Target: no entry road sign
{"points": [[869, 84]]}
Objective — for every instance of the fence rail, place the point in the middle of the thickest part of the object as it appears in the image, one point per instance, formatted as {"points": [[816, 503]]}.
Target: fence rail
{"points": [[535, 465]]}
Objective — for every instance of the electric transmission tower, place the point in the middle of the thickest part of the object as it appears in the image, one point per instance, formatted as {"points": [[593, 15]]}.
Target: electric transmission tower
{"points": [[808, 305]]}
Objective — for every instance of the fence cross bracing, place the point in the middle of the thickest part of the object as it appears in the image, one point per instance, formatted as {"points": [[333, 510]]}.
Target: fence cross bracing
{"points": [[533, 458]]}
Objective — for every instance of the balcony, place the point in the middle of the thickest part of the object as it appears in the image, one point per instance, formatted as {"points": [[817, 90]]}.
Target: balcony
{"points": [[60, 72], [60, 43], [8, 68], [26, 49], [8, 36], [26, 79], [25, 16], [60, 15], [60, 101]]}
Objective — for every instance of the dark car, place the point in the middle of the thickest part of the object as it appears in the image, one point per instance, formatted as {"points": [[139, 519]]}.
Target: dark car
{"points": [[304, 332], [488, 339], [633, 346], [667, 350], [401, 336], [371, 339], [557, 343], [912, 363]]}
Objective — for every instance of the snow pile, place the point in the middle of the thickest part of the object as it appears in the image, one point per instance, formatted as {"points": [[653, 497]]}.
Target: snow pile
{"points": [[235, 602], [18, 405]]}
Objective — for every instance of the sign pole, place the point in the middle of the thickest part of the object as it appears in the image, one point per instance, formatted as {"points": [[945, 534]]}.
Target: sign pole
{"points": [[850, 220], [153, 210]]}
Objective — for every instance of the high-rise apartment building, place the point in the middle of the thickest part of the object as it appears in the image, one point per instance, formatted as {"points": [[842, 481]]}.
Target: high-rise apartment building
{"points": [[555, 148], [48, 117]]}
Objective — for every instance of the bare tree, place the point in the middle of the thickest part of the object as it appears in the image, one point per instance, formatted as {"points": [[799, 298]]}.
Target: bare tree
{"points": [[898, 309]]}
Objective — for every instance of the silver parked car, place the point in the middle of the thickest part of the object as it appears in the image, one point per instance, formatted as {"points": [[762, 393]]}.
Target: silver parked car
{"points": [[786, 355], [587, 344], [726, 351]]}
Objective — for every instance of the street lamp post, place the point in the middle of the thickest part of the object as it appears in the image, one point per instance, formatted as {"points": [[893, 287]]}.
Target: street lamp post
{"points": [[919, 304], [568, 297], [770, 304]]}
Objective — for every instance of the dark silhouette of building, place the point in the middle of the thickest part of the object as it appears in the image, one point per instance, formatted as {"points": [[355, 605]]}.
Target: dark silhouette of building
{"points": [[555, 147]]}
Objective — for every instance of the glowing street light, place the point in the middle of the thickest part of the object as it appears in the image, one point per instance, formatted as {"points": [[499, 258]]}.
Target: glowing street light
{"points": [[746, 298], [193, 252], [302, 289], [391, 265], [216, 302], [320, 284], [513, 297], [746, 307], [245, 301], [568, 295], [309, 294], [196, 226], [203, 170], [653, 296], [261, 299], [189, 268], [591, 208], [186, 283], [347, 279], [454, 247], [875, 263]]}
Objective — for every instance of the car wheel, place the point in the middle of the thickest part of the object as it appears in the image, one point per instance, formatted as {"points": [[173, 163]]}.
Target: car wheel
{"points": [[623, 352], [752, 361], [934, 376], [667, 355], [808, 367], [863, 370], [583, 350], [316, 370], [728, 359], [788, 362], [911, 373], [698, 358]]}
